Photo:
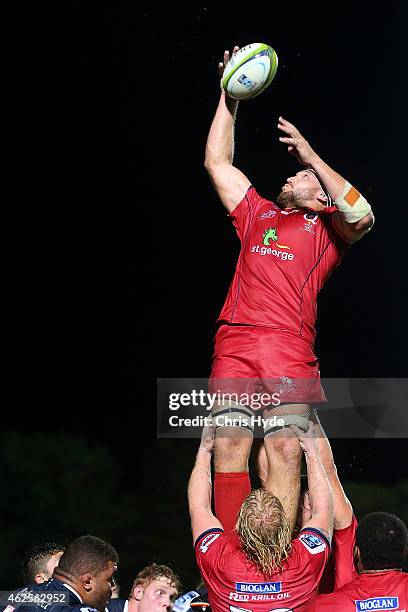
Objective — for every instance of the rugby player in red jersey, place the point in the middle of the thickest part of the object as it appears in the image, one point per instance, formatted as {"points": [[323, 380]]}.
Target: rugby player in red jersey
{"points": [[258, 567], [264, 342], [381, 548], [340, 568]]}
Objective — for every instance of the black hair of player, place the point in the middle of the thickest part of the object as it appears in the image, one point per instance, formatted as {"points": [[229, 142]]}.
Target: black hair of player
{"points": [[87, 554], [383, 541], [36, 559]]}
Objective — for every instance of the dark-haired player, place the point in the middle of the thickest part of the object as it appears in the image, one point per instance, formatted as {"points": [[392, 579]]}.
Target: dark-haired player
{"points": [[85, 575], [381, 548], [39, 562]]}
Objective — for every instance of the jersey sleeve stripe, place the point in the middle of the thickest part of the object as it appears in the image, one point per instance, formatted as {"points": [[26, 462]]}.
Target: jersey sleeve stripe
{"points": [[206, 532]]}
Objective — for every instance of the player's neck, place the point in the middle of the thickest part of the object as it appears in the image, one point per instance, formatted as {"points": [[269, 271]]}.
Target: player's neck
{"points": [[133, 605]]}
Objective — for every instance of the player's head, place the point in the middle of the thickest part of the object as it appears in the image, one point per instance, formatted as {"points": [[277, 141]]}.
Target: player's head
{"points": [[39, 562], [89, 564], [381, 542], [264, 530], [304, 190], [154, 589]]}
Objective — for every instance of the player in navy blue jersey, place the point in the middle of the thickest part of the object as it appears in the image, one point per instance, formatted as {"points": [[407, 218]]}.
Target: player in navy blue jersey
{"points": [[82, 581], [39, 562]]}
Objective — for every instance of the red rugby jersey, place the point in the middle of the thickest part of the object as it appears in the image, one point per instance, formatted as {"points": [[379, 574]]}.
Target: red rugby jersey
{"points": [[286, 257], [340, 569], [385, 590], [234, 584]]}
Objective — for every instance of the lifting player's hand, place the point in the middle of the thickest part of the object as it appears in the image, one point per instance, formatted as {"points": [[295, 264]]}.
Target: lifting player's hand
{"points": [[308, 439], [208, 436], [297, 144], [221, 65]]}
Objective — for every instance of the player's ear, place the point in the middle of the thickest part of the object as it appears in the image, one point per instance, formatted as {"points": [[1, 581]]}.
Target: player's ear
{"points": [[322, 198], [138, 592], [87, 581], [39, 578]]}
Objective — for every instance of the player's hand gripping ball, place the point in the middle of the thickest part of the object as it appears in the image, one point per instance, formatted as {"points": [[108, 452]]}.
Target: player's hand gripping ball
{"points": [[250, 71]]}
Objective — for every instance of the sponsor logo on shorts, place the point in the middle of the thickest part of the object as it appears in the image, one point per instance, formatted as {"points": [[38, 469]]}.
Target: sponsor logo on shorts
{"points": [[312, 542], [207, 541], [258, 587], [377, 603], [286, 385]]}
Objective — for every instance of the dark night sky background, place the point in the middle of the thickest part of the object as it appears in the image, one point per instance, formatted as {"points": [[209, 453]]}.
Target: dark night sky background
{"points": [[138, 252]]}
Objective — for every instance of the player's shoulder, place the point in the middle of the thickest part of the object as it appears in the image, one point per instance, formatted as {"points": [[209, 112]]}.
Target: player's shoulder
{"points": [[52, 595], [255, 199], [208, 538]]}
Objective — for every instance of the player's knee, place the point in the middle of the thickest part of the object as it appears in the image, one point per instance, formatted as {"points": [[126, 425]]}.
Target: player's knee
{"points": [[232, 445], [286, 449], [231, 453]]}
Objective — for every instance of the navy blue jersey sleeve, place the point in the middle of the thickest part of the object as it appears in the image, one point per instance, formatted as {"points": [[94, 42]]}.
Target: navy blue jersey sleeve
{"points": [[116, 605]]}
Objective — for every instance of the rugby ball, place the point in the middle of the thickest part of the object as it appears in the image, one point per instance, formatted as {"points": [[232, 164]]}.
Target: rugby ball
{"points": [[250, 71]]}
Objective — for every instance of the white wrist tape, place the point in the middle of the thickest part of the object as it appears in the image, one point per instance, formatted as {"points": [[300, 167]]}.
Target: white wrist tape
{"points": [[352, 204]]}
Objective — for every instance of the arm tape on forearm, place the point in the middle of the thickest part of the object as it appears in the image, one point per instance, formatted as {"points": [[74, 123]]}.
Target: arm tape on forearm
{"points": [[352, 204]]}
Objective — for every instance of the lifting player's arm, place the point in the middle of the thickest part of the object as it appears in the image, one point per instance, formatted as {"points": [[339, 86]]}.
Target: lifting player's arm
{"points": [[230, 183], [200, 488], [354, 217], [342, 508], [319, 489]]}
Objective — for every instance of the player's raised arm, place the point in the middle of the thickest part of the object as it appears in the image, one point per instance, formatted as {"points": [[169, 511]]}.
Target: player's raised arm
{"points": [[319, 489], [200, 488], [354, 216], [230, 183], [342, 508]]}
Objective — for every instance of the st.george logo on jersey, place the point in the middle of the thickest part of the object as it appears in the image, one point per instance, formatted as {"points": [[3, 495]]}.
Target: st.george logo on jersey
{"points": [[313, 543]]}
